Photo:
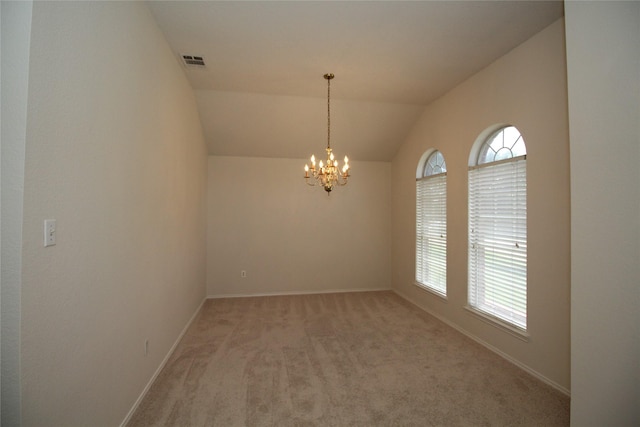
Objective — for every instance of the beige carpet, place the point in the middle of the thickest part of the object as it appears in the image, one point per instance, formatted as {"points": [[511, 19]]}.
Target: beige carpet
{"points": [[347, 359]]}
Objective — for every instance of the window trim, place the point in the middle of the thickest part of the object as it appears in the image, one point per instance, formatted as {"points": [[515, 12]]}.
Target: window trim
{"points": [[432, 291], [498, 162], [494, 319], [498, 323], [420, 265]]}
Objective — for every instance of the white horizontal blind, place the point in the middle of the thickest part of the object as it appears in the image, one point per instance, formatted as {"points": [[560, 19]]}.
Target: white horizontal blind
{"points": [[498, 240], [431, 232]]}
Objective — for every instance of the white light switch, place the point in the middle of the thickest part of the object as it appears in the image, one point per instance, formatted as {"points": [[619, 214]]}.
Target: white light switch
{"points": [[49, 232]]}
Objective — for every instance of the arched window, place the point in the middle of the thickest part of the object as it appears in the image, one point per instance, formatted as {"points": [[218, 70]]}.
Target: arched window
{"points": [[498, 227], [431, 223]]}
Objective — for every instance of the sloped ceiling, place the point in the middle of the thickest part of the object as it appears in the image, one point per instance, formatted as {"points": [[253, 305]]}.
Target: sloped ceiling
{"points": [[262, 92]]}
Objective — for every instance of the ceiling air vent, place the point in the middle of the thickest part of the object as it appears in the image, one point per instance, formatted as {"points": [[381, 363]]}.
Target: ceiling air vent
{"points": [[193, 61]]}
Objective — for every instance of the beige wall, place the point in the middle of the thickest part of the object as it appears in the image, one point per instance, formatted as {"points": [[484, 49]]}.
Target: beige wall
{"points": [[603, 64], [525, 88], [15, 31], [291, 238], [114, 152]]}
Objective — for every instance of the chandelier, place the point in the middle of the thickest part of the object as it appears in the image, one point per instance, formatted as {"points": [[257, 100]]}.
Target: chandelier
{"points": [[328, 174]]}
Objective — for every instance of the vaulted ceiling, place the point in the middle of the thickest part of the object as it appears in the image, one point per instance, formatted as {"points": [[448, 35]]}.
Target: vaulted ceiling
{"points": [[262, 91]]}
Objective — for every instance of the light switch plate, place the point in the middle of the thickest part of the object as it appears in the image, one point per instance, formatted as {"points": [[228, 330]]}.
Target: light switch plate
{"points": [[49, 232]]}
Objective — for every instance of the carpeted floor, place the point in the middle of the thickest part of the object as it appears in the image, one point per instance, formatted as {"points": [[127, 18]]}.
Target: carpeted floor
{"points": [[345, 359]]}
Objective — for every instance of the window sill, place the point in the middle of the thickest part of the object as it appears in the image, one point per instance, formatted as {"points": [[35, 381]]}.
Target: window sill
{"points": [[499, 324], [431, 291]]}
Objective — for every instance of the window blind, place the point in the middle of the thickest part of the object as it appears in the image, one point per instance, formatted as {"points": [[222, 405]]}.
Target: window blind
{"points": [[498, 240], [431, 232]]}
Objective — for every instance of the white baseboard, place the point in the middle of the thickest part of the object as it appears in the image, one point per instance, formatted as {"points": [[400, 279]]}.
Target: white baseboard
{"points": [[273, 294], [485, 344], [162, 364]]}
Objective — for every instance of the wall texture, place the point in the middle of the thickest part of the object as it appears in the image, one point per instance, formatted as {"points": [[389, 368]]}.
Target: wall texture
{"points": [[115, 153], [16, 31], [525, 88], [603, 64], [292, 238]]}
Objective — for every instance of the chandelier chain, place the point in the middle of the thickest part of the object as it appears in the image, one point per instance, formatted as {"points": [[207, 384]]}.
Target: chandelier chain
{"points": [[329, 112]]}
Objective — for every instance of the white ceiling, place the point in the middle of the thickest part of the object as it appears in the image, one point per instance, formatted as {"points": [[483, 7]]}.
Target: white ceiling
{"points": [[263, 94]]}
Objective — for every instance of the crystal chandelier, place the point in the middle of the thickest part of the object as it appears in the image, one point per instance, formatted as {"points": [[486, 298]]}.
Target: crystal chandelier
{"points": [[328, 174]]}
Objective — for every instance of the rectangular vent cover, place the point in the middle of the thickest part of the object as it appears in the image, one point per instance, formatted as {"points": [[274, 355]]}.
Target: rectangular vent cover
{"points": [[193, 61]]}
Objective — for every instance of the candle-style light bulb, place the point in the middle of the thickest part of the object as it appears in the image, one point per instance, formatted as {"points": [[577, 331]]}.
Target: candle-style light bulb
{"points": [[313, 160], [335, 163], [331, 156], [306, 168], [346, 159], [320, 164]]}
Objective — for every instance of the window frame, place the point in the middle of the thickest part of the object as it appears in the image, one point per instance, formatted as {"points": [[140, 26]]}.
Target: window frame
{"points": [[495, 213], [431, 225]]}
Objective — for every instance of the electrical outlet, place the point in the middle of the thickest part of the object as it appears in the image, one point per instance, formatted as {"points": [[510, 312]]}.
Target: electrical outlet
{"points": [[243, 273], [49, 232]]}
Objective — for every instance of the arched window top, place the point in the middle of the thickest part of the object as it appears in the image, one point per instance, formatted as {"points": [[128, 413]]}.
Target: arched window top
{"points": [[503, 144], [432, 163], [435, 164]]}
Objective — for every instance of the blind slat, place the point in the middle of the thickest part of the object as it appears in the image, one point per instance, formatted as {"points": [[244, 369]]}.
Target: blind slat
{"points": [[431, 232], [498, 240]]}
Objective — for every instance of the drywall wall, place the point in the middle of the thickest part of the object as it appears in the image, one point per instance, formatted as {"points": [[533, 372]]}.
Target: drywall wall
{"points": [[114, 153], [15, 30], [525, 88], [292, 238], [603, 64]]}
